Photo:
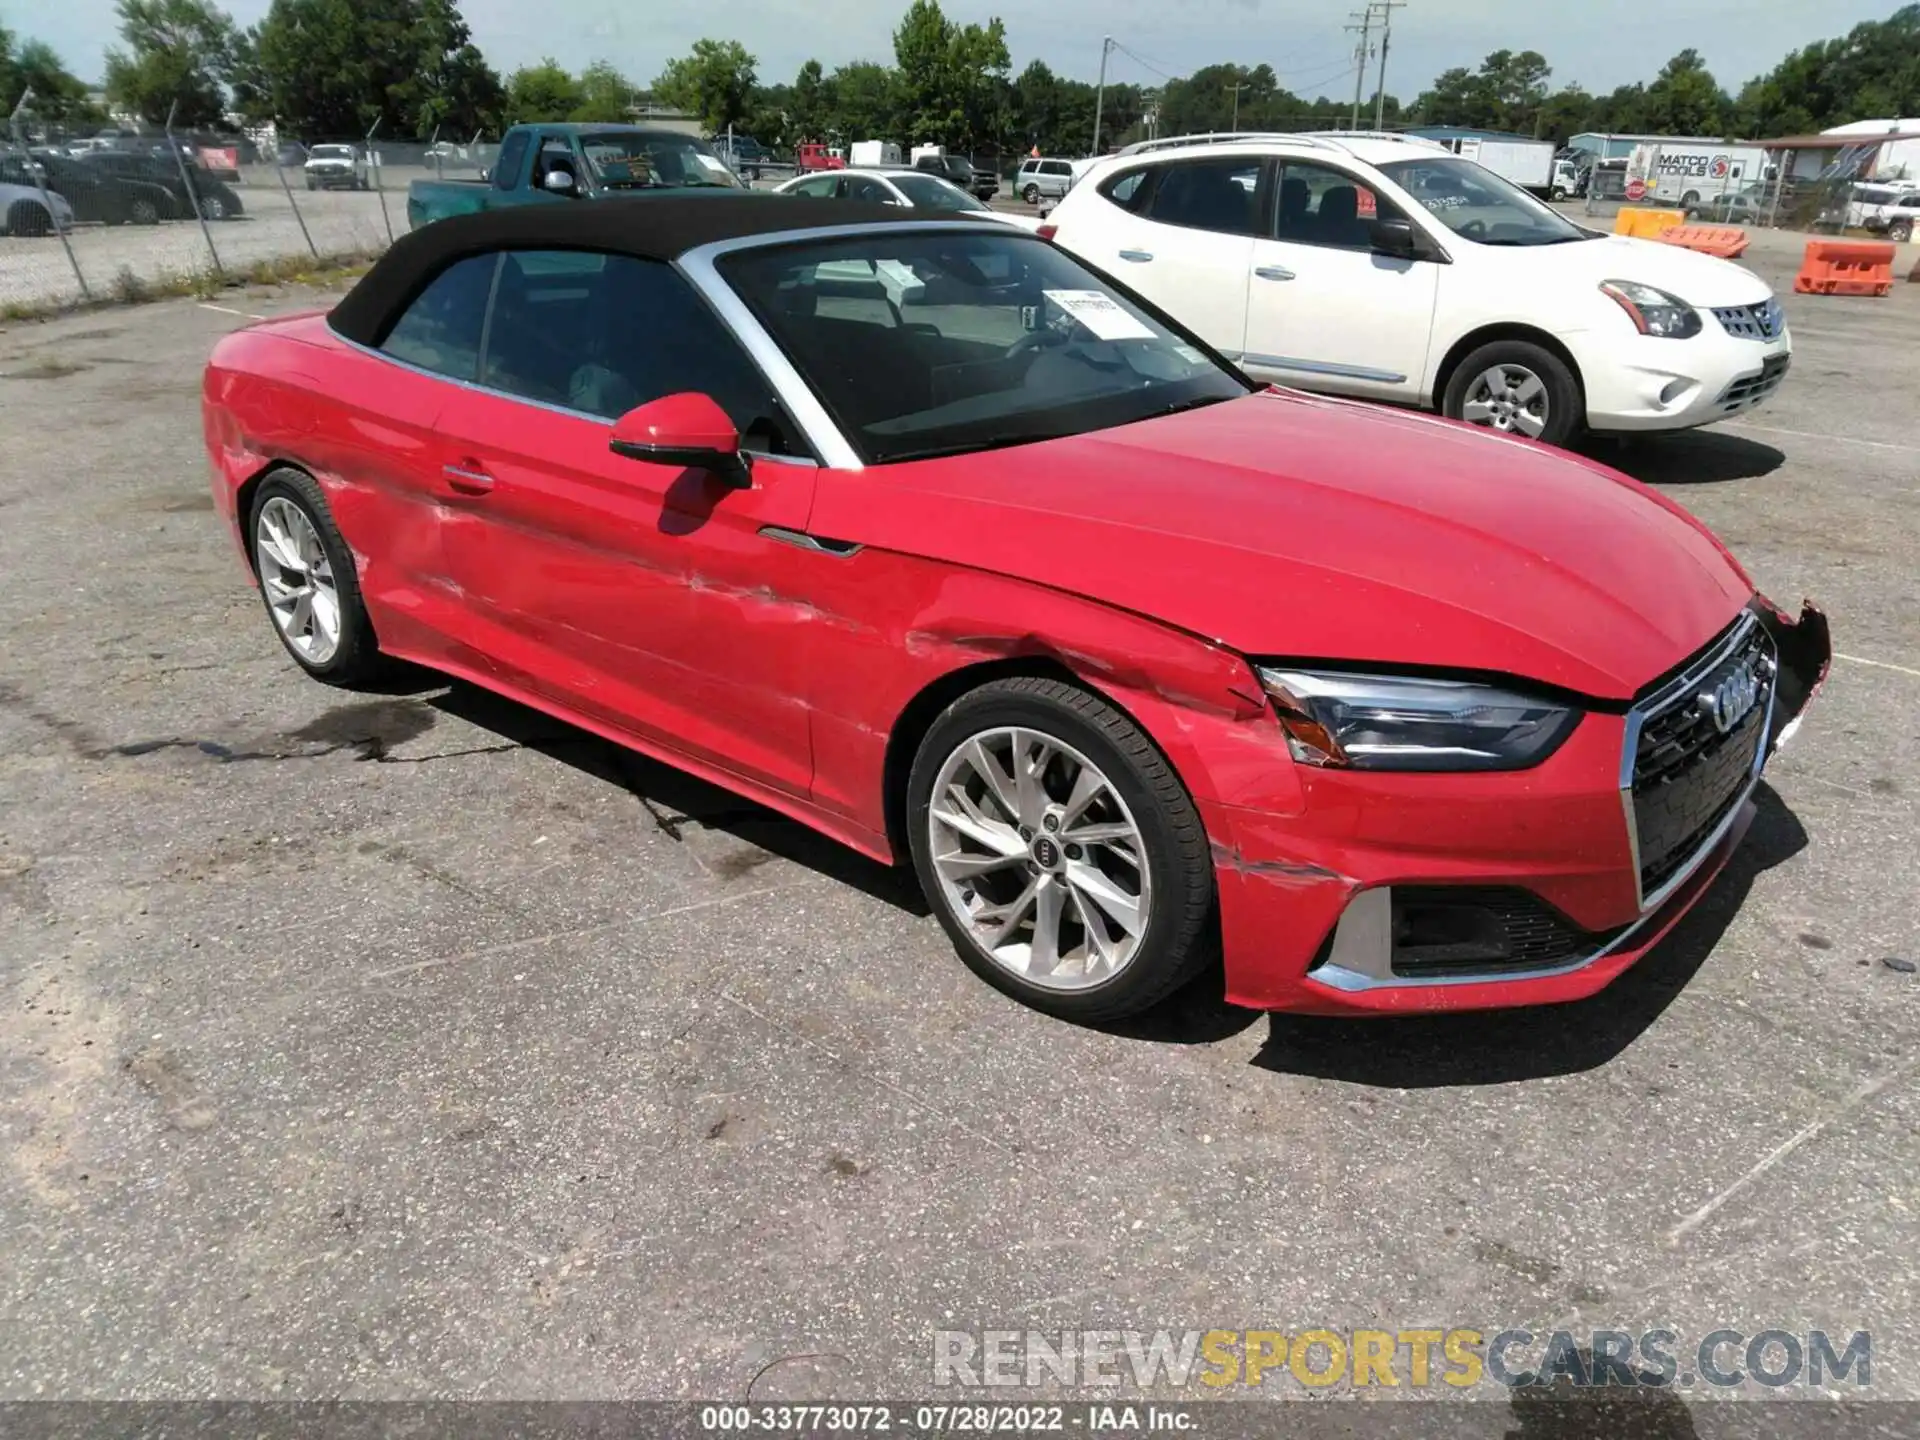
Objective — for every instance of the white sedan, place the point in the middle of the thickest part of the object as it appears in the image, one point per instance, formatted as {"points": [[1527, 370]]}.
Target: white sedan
{"points": [[911, 189], [1388, 269]]}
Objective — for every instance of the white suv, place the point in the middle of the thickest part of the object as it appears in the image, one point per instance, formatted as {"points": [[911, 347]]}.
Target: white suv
{"points": [[1042, 179], [1387, 268]]}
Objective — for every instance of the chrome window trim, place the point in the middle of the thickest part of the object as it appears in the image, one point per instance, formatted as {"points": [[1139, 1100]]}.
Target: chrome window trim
{"points": [[1665, 698], [698, 265]]}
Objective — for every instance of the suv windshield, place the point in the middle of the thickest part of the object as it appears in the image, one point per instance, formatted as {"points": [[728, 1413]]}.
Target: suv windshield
{"points": [[926, 344], [657, 160], [926, 192], [331, 152], [1478, 205]]}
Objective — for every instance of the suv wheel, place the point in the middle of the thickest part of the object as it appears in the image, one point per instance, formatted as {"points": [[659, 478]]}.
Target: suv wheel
{"points": [[1516, 388], [1031, 194], [1900, 230]]}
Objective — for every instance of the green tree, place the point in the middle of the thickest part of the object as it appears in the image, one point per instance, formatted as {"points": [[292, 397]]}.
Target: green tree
{"points": [[860, 103], [715, 82], [541, 92], [606, 95], [1508, 92], [1685, 99], [331, 69], [58, 95], [177, 54], [951, 78], [808, 110]]}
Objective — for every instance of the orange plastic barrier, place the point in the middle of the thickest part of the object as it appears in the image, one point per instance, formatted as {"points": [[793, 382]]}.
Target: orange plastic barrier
{"points": [[1845, 267], [1729, 242], [1646, 224]]}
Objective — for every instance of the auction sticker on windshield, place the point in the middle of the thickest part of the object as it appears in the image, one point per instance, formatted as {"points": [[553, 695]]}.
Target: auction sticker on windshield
{"points": [[1100, 314]]}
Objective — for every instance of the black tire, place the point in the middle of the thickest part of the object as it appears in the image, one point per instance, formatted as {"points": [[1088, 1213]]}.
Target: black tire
{"points": [[1566, 404], [1178, 941], [1900, 231], [1031, 194], [213, 208], [356, 659], [28, 218], [1559, 192], [1690, 199]]}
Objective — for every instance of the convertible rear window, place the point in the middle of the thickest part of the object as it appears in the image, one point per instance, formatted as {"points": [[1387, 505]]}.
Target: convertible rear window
{"points": [[924, 344]]}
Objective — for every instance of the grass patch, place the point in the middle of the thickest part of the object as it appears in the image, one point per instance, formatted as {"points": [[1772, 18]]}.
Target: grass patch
{"points": [[127, 288]]}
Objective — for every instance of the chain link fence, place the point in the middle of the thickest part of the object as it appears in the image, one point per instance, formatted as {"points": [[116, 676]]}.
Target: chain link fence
{"points": [[124, 215]]}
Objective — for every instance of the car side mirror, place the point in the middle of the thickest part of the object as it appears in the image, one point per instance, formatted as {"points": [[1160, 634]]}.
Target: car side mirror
{"points": [[559, 182], [688, 429], [1397, 238]]}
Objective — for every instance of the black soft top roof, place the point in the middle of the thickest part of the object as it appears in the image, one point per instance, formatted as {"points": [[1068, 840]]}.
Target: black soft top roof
{"points": [[662, 227]]}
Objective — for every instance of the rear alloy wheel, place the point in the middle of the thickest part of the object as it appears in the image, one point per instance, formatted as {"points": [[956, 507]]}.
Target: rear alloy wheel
{"points": [[1031, 194], [308, 581], [1900, 231], [28, 217], [1517, 389], [213, 208], [1059, 849], [144, 212]]}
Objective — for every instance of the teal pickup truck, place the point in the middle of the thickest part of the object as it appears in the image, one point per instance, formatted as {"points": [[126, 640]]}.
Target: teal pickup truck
{"points": [[539, 164]]}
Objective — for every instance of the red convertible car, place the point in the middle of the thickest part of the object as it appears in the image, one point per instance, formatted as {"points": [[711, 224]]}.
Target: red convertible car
{"points": [[918, 530]]}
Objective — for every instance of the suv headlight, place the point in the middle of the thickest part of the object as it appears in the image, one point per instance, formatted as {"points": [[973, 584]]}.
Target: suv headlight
{"points": [[1396, 722], [1653, 312]]}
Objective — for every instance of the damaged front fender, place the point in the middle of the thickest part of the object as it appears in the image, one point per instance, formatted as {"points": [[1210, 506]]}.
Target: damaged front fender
{"points": [[1804, 648]]}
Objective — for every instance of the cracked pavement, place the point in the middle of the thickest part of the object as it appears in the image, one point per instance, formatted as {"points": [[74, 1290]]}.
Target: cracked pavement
{"points": [[414, 1045]]}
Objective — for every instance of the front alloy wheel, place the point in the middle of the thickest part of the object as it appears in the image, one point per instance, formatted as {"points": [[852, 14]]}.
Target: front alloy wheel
{"points": [[1040, 859], [1060, 850]]}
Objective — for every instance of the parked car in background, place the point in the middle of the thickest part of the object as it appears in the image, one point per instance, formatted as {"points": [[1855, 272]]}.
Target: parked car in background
{"points": [[813, 155], [1015, 582], [191, 191], [1737, 207], [336, 167], [1042, 179], [95, 192], [25, 211], [908, 189], [1391, 271], [743, 153], [291, 155], [1890, 211], [550, 164], [982, 184]]}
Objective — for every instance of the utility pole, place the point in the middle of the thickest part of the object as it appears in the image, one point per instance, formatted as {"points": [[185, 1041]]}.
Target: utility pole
{"points": [[1100, 95], [1386, 8], [1361, 55], [1235, 90]]}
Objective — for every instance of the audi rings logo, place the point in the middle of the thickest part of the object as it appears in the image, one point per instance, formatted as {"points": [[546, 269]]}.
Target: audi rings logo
{"points": [[1733, 699]]}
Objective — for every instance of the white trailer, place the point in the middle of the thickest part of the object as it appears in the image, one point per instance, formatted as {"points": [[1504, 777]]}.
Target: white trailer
{"points": [[874, 153], [1527, 163], [1686, 172]]}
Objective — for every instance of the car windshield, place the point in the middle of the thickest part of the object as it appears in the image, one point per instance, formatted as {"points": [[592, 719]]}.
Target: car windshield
{"points": [[1478, 205], [925, 192], [629, 161], [923, 344], [331, 152]]}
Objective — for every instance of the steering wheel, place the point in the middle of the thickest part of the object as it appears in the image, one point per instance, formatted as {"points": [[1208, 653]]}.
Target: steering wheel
{"points": [[1472, 230]]}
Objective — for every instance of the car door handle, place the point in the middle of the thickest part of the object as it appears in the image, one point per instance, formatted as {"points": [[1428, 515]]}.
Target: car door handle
{"points": [[467, 482], [1139, 257], [1273, 272]]}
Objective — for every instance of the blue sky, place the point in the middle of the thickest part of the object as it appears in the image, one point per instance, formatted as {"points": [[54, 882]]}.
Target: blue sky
{"points": [[1600, 43]]}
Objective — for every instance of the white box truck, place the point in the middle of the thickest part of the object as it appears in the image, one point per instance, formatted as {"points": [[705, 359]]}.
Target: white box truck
{"points": [[1686, 172], [1527, 163], [872, 154]]}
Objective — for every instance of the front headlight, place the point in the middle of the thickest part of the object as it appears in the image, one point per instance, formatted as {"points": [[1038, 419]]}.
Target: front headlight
{"points": [[1653, 312], [1395, 722]]}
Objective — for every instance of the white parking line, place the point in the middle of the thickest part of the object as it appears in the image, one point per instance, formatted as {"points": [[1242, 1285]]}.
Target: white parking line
{"points": [[1817, 435], [225, 310], [1877, 664]]}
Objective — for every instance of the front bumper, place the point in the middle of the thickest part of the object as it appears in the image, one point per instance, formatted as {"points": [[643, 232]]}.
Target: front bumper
{"points": [[1307, 899], [1644, 383]]}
